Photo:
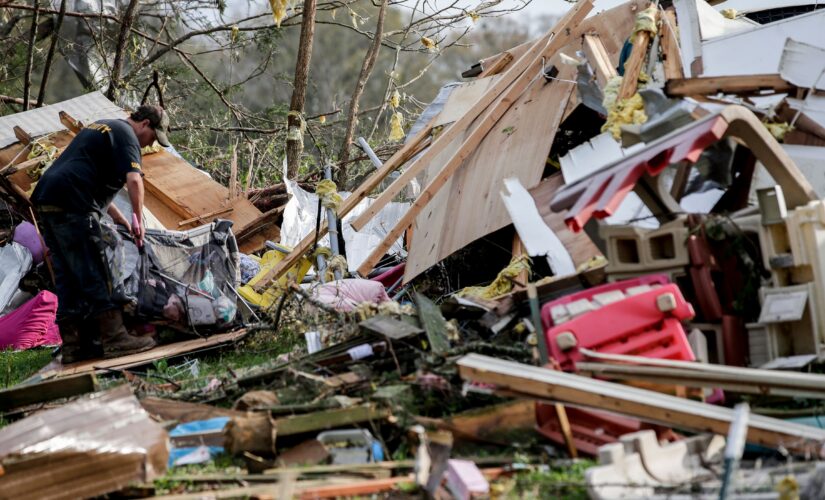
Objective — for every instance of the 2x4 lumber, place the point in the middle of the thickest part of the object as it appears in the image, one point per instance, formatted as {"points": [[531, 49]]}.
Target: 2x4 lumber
{"points": [[671, 53], [22, 136], [320, 421], [498, 98], [740, 84], [497, 66], [487, 122], [633, 66], [400, 157], [544, 384], [598, 58], [69, 122], [50, 390]]}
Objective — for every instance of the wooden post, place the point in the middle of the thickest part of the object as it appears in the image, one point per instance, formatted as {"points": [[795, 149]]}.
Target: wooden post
{"points": [[633, 66], [671, 54]]}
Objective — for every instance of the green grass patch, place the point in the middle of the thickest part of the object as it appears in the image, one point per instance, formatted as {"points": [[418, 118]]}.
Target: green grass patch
{"points": [[17, 366], [561, 482]]}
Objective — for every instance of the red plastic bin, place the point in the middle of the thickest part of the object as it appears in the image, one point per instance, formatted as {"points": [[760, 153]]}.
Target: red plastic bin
{"points": [[647, 324], [650, 279]]}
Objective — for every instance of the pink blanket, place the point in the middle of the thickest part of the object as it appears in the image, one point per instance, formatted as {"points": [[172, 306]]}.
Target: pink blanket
{"points": [[32, 324]]}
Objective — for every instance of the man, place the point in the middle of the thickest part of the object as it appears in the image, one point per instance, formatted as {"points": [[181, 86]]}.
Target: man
{"points": [[70, 198]]}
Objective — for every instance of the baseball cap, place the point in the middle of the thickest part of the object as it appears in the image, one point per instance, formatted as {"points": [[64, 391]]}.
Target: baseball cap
{"points": [[158, 120]]}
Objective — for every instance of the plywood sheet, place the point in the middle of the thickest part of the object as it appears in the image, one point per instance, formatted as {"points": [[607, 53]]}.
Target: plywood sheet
{"points": [[462, 98], [189, 192], [469, 206]]}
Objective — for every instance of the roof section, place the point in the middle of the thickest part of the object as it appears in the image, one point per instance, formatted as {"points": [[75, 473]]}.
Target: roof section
{"points": [[86, 108]]}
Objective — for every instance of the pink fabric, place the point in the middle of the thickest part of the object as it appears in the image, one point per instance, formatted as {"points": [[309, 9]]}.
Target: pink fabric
{"points": [[32, 324], [389, 278], [345, 295], [26, 234]]}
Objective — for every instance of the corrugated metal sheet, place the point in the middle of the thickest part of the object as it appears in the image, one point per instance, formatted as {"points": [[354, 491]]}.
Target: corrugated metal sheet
{"points": [[86, 108], [94, 445]]}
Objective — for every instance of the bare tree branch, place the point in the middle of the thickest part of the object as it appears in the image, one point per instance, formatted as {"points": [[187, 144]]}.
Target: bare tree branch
{"points": [[52, 47], [27, 77]]}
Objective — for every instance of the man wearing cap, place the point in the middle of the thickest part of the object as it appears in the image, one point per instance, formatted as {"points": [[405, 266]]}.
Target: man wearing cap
{"points": [[70, 198]]}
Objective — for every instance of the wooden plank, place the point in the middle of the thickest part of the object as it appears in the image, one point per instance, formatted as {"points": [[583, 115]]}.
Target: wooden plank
{"points": [[741, 85], [160, 352], [499, 98], [633, 66], [399, 158], [320, 421], [559, 91], [73, 125], [497, 66], [545, 384], [43, 392], [598, 58], [669, 41], [24, 137]]}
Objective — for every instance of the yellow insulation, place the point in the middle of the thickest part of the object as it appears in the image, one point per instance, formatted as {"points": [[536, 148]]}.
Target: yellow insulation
{"points": [[503, 282], [327, 191]]}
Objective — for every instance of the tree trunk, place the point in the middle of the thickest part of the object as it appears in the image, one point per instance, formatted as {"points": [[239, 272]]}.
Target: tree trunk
{"points": [[295, 119], [27, 78], [41, 96], [366, 71], [125, 29]]}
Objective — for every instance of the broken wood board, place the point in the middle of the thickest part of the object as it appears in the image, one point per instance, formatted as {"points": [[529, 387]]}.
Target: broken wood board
{"points": [[160, 352], [740, 85], [320, 421], [469, 207], [544, 384], [579, 245], [49, 390], [183, 411]]}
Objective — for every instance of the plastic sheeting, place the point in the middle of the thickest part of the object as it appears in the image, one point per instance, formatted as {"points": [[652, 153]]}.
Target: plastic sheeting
{"points": [[15, 262], [302, 210], [178, 265], [32, 324], [92, 446]]}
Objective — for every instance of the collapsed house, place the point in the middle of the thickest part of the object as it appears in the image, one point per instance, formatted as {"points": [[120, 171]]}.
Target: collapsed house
{"points": [[664, 161]]}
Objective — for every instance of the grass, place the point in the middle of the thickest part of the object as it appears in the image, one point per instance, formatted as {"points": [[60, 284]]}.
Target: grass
{"points": [[17, 366], [563, 482]]}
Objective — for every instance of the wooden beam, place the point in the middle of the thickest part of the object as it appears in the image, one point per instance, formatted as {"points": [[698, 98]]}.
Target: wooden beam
{"points": [[544, 384], [203, 217], [498, 99], [22, 136], [486, 123], [598, 58], [43, 392], [73, 125], [320, 421], [504, 59], [669, 41], [400, 157], [739, 84], [633, 66]]}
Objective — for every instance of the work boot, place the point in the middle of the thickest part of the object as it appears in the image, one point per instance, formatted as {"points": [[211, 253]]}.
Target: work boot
{"points": [[71, 349], [116, 339]]}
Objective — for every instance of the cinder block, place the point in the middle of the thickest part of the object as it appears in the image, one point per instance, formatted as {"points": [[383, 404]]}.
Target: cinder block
{"points": [[633, 249]]}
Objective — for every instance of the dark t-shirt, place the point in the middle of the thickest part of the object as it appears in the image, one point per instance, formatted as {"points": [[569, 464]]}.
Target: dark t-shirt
{"points": [[92, 169]]}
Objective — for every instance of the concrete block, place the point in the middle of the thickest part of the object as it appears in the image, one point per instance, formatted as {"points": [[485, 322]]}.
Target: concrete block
{"points": [[633, 249]]}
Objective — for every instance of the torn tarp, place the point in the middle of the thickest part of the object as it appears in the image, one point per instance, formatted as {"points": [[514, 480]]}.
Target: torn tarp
{"points": [[95, 445], [300, 218]]}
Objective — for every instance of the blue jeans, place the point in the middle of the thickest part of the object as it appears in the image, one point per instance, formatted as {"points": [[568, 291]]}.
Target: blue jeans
{"points": [[77, 250]]}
